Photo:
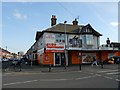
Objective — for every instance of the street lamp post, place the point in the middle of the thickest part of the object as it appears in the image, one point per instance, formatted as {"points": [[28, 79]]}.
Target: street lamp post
{"points": [[65, 44]]}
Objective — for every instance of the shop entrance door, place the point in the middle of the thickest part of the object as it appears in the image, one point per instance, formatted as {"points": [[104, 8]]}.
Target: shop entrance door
{"points": [[59, 59]]}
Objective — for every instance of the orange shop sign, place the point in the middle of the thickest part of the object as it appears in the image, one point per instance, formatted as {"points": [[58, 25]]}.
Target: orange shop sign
{"points": [[54, 46], [54, 50]]}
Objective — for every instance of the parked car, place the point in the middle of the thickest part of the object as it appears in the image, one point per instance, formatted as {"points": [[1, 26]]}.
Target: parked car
{"points": [[113, 60], [14, 62], [5, 59]]}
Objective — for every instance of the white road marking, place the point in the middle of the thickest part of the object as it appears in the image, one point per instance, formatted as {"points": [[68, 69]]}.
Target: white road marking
{"points": [[85, 77], [107, 71], [61, 79], [5, 74], [98, 75], [64, 72], [48, 80], [53, 79], [113, 73], [108, 77], [20, 73], [118, 80], [90, 73], [20, 82]]}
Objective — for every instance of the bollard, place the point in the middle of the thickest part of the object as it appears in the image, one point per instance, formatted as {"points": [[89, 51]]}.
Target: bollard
{"points": [[80, 66], [65, 66], [50, 68], [102, 64]]}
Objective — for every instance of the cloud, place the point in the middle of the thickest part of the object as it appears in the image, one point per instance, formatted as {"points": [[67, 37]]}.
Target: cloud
{"points": [[19, 15], [114, 24]]}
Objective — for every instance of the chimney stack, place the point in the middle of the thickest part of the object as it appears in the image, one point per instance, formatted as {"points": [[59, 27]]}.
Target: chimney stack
{"points": [[53, 20], [75, 22]]}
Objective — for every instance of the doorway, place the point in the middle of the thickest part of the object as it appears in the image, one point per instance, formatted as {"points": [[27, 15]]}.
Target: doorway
{"points": [[59, 59]]}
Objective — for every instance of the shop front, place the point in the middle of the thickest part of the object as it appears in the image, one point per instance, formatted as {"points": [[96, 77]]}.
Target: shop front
{"points": [[75, 57]]}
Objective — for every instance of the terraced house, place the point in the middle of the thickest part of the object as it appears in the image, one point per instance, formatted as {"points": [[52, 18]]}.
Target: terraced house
{"points": [[5, 53], [69, 44]]}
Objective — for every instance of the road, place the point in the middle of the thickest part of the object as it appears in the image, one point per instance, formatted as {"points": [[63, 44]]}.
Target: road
{"points": [[72, 77]]}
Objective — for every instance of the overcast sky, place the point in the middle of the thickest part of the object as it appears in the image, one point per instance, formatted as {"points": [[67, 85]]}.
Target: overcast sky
{"points": [[21, 20]]}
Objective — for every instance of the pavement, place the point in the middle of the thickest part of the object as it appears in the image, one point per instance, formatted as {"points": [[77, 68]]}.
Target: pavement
{"points": [[38, 68]]}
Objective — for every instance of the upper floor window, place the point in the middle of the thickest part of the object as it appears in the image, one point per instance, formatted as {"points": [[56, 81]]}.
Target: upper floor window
{"points": [[88, 30], [88, 39]]}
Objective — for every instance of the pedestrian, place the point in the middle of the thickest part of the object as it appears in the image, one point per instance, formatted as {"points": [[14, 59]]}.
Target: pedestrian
{"points": [[65, 63], [94, 62]]}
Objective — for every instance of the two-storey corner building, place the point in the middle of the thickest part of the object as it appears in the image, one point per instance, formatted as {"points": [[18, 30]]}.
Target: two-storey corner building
{"points": [[69, 44], [82, 41]]}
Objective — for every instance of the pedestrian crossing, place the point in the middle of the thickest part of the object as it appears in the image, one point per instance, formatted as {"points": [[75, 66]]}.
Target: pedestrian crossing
{"points": [[113, 73], [110, 74]]}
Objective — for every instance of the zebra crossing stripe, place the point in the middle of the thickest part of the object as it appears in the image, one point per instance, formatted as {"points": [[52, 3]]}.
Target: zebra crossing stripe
{"points": [[107, 71], [113, 73]]}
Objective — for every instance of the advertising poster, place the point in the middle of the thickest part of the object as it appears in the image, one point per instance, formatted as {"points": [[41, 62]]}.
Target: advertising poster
{"points": [[74, 41], [87, 57]]}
